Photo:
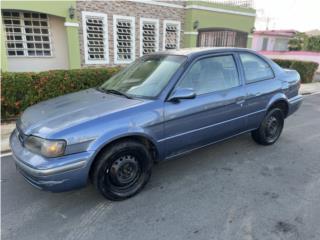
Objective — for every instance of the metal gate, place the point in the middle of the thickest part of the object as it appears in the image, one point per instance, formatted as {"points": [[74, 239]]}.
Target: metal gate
{"points": [[221, 38]]}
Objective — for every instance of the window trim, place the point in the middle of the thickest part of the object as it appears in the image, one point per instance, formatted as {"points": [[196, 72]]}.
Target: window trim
{"points": [[156, 21], [133, 40], [232, 54], [24, 38], [85, 39], [164, 33], [243, 71]]}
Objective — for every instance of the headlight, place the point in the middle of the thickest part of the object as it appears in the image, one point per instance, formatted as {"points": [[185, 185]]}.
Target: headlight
{"points": [[47, 148]]}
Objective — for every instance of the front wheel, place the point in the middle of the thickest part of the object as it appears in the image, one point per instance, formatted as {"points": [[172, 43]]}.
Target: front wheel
{"points": [[270, 129], [122, 170]]}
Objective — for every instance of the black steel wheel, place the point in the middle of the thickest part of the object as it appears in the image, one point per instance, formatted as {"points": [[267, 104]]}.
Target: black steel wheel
{"points": [[122, 170], [271, 127]]}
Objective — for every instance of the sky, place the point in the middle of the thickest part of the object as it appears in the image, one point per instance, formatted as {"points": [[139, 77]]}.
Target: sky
{"points": [[301, 15]]}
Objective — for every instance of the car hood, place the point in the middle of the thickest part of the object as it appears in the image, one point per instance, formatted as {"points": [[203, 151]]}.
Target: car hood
{"points": [[71, 109]]}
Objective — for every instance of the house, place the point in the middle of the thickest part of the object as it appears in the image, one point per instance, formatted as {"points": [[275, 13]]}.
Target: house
{"points": [[272, 40], [70, 34]]}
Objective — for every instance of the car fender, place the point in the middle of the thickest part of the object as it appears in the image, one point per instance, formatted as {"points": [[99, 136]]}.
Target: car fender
{"points": [[275, 98], [116, 134]]}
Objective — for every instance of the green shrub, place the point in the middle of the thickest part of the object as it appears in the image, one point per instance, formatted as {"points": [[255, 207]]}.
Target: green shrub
{"points": [[305, 69], [313, 44], [21, 90]]}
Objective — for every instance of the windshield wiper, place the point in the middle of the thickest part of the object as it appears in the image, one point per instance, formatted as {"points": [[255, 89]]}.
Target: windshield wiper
{"points": [[113, 91]]}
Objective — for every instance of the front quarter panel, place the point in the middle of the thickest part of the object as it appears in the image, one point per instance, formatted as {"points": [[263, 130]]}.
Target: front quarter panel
{"points": [[147, 123], [145, 120]]}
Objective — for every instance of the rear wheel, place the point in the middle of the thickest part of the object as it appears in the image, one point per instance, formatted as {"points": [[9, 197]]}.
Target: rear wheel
{"points": [[122, 170], [270, 129]]}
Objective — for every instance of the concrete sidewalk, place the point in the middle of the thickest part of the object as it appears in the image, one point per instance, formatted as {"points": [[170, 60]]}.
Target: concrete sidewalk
{"points": [[7, 128], [310, 88]]}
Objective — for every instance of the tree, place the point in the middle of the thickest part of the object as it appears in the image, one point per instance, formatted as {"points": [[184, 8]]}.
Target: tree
{"points": [[298, 42], [313, 44]]}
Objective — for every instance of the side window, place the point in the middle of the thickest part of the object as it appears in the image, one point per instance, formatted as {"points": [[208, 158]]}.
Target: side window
{"points": [[255, 69], [211, 74]]}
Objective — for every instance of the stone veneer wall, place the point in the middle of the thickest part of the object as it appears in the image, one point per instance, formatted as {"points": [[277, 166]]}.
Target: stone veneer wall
{"points": [[128, 8]]}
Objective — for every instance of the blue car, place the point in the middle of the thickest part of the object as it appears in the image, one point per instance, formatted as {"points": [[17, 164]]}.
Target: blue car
{"points": [[161, 106]]}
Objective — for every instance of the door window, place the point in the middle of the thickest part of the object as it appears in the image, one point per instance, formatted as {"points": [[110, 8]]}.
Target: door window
{"points": [[255, 69], [211, 74]]}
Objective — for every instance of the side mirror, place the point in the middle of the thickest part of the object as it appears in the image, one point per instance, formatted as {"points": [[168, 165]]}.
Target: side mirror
{"points": [[182, 93]]}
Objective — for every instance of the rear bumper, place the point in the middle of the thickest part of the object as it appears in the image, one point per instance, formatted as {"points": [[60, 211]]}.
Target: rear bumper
{"points": [[294, 104], [56, 174]]}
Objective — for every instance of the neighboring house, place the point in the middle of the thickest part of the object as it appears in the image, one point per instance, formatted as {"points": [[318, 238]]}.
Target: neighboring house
{"points": [[44, 35], [272, 40]]}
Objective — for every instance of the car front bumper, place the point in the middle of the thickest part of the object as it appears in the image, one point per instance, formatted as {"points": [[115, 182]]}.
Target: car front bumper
{"points": [[51, 174]]}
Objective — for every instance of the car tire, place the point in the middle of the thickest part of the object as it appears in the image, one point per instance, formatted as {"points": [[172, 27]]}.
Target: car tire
{"points": [[122, 170], [270, 128]]}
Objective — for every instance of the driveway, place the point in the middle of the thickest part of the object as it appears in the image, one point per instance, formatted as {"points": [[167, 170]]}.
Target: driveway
{"points": [[232, 190]]}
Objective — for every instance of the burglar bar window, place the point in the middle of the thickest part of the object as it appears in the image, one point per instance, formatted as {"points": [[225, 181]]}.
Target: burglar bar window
{"points": [[124, 39], [27, 34], [95, 38], [171, 35], [149, 35]]}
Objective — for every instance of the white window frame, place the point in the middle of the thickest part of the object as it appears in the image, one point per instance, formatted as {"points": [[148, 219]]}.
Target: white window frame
{"points": [[165, 22], [23, 34], [133, 39], [105, 37], [153, 20]]}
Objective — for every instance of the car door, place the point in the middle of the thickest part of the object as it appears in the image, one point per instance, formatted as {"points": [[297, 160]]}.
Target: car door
{"points": [[214, 114], [260, 85]]}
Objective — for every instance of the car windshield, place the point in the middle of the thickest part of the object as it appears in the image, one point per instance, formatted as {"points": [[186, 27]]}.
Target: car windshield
{"points": [[145, 77]]}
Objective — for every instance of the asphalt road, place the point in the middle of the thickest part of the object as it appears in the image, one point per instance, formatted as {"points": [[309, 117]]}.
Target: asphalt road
{"points": [[232, 190]]}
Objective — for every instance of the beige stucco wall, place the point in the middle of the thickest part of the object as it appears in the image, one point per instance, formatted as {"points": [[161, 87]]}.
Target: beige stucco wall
{"points": [[59, 58]]}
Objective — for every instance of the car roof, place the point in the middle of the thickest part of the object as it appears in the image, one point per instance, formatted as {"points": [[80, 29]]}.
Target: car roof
{"points": [[202, 50]]}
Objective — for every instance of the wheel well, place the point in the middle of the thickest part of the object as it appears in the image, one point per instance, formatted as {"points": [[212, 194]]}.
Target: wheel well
{"points": [[282, 104], [145, 141]]}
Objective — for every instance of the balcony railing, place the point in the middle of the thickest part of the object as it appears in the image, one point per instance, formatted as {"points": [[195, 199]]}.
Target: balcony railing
{"points": [[235, 3]]}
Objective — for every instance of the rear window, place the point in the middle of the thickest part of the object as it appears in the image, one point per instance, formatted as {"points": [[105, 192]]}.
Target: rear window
{"points": [[255, 68]]}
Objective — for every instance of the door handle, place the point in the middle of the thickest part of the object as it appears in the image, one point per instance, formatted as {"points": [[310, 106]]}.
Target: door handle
{"points": [[240, 100]]}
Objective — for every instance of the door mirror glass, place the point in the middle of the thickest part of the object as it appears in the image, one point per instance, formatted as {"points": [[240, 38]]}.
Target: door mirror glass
{"points": [[182, 93]]}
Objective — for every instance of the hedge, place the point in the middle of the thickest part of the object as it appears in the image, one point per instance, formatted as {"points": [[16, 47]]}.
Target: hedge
{"points": [[305, 69], [21, 90]]}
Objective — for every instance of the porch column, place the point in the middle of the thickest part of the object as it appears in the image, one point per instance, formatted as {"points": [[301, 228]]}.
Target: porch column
{"points": [[72, 30]]}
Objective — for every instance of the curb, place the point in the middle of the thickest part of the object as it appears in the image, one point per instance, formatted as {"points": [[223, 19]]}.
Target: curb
{"points": [[310, 93], [6, 153]]}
